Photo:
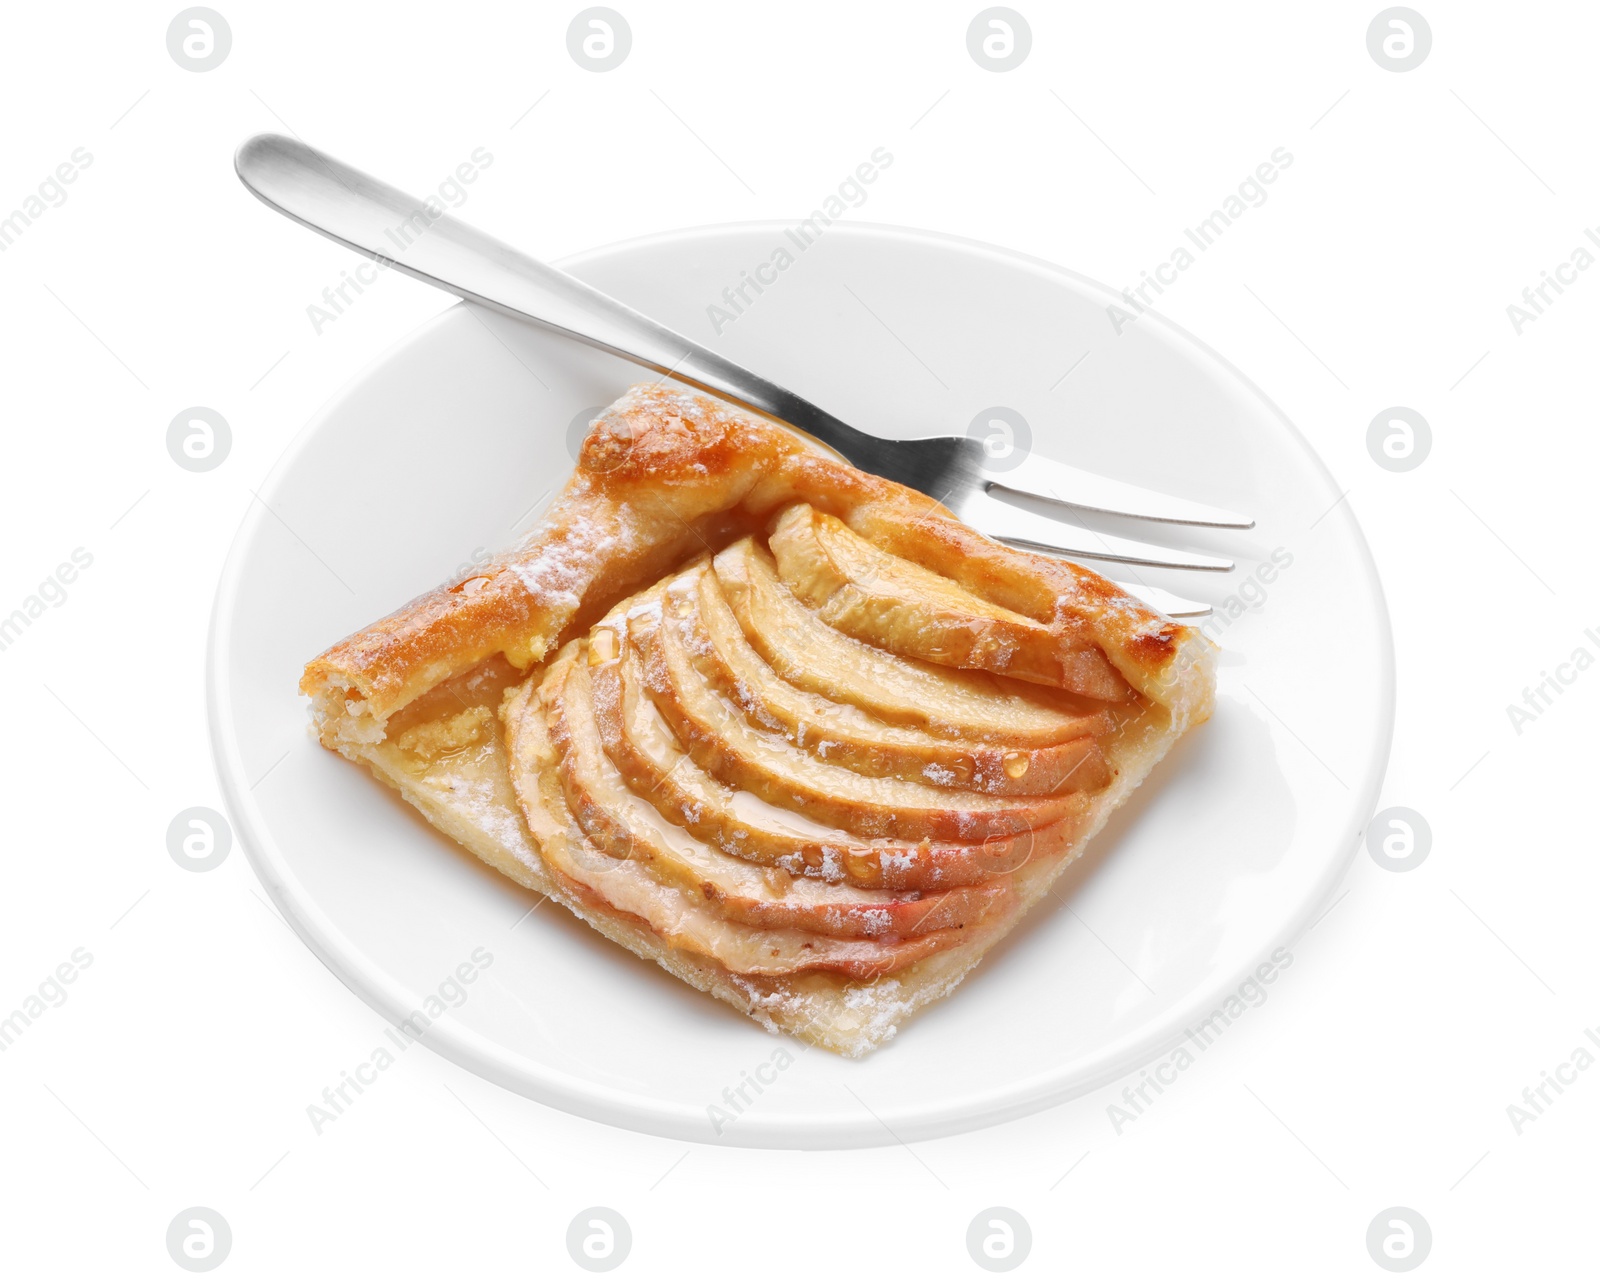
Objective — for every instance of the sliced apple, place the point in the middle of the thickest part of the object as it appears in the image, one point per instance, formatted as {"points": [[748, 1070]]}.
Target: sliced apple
{"points": [[624, 825], [945, 701], [845, 735], [724, 744], [887, 600], [626, 887], [645, 750]]}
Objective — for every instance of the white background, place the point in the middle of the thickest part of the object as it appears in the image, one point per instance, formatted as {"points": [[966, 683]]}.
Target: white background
{"points": [[1378, 273]]}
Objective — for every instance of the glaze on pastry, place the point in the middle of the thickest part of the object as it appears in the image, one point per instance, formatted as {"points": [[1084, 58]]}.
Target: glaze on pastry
{"points": [[788, 729]]}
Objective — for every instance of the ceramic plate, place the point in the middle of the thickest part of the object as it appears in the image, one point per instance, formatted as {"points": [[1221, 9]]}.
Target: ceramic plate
{"points": [[448, 446]]}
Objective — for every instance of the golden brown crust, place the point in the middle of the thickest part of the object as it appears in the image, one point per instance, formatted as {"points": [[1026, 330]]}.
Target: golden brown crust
{"points": [[666, 471]]}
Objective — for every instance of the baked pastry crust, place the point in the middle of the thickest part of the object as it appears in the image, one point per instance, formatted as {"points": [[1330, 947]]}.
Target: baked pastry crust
{"points": [[516, 709]]}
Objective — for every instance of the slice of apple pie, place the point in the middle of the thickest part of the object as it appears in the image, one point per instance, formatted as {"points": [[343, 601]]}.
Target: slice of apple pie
{"points": [[790, 730]]}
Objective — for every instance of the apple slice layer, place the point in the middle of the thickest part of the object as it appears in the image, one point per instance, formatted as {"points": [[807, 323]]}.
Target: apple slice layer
{"points": [[626, 887], [846, 735], [626, 826], [724, 744], [790, 761], [895, 603], [813, 656], [652, 761]]}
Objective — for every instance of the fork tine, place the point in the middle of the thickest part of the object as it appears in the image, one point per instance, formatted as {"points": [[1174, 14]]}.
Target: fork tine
{"points": [[1014, 525], [1045, 478]]}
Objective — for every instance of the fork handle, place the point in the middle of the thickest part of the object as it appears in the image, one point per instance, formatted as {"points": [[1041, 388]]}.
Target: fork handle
{"points": [[383, 222]]}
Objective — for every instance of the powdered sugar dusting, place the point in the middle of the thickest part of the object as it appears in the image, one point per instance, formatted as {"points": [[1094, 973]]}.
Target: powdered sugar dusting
{"points": [[560, 570]]}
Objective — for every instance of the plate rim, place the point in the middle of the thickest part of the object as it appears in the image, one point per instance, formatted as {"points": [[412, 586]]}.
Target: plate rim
{"points": [[610, 1105]]}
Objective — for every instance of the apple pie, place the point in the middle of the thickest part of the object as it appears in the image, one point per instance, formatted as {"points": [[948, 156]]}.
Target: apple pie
{"points": [[789, 730]]}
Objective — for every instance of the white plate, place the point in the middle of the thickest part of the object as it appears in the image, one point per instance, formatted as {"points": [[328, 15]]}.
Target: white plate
{"points": [[434, 455]]}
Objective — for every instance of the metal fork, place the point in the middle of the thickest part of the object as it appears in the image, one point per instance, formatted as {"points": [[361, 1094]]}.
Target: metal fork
{"points": [[375, 219]]}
